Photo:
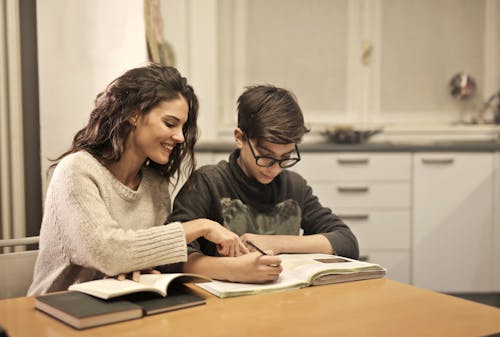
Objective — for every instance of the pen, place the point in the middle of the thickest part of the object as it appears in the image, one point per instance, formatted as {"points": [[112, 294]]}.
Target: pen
{"points": [[257, 248]]}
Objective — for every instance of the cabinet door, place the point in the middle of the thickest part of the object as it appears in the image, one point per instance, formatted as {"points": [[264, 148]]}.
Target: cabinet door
{"points": [[371, 193], [363, 194], [397, 263], [210, 158], [221, 156], [204, 158], [362, 166], [453, 221], [496, 229], [378, 229]]}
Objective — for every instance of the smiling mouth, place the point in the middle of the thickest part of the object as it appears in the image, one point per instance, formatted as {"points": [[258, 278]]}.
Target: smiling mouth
{"points": [[167, 146]]}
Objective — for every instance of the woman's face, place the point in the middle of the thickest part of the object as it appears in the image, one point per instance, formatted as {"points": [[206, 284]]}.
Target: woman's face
{"points": [[159, 131]]}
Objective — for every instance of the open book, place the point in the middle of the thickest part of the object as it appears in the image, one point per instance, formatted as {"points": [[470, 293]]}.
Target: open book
{"points": [[157, 283], [302, 270]]}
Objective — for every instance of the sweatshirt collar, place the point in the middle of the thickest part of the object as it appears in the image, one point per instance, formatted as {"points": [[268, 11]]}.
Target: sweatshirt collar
{"points": [[264, 196]]}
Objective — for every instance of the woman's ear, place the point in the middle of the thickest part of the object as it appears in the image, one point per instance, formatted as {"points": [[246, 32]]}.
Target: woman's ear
{"points": [[133, 118], [238, 137]]}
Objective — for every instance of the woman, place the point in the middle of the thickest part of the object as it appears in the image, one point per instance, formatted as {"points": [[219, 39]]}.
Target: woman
{"points": [[109, 193]]}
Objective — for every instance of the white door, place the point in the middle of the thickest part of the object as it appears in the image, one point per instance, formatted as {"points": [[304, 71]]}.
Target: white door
{"points": [[453, 221]]}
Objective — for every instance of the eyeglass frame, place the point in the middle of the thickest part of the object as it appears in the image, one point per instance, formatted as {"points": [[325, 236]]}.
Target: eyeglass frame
{"points": [[273, 160]]}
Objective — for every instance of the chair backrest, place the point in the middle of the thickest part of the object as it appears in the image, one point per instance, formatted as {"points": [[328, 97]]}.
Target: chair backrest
{"points": [[16, 268]]}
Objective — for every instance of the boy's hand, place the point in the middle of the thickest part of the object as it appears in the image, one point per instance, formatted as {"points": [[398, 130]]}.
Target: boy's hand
{"points": [[255, 268]]}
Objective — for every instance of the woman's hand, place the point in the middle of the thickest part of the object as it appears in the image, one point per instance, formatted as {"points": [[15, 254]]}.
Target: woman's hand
{"points": [[228, 243], [135, 275]]}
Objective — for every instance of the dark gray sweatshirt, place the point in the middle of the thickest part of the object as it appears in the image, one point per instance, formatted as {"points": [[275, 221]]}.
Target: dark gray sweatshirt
{"points": [[223, 193]]}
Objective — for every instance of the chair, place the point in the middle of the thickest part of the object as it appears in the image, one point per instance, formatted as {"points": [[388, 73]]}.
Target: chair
{"points": [[16, 268]]}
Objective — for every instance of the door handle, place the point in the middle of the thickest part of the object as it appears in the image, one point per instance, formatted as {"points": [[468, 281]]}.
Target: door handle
{"points": [[357, 161], [354, 216], [353, 189], [437, 160]]}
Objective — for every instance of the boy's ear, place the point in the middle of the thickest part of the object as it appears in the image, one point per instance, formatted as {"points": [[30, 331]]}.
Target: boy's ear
{"points": [[238, 137]]}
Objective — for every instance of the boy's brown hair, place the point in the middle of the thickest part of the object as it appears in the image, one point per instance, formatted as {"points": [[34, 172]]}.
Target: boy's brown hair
{"points": [[269, 113]]}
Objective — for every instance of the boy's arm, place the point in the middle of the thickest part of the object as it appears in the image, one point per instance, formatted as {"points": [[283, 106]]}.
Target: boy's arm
{"points": [[279, 244], [248, 268], [324, 232], [317, 219]]}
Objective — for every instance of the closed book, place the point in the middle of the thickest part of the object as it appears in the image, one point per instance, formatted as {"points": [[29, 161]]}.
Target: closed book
{"points": [[179, 297], [82, 311]]}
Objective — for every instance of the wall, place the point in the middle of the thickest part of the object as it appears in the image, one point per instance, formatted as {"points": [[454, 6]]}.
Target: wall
{"points": [[82, 46], [191, 28], [349, 61], [85, 44]]}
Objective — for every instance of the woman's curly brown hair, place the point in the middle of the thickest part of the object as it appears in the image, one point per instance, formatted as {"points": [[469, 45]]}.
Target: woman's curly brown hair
{"points": [[138, 90]]}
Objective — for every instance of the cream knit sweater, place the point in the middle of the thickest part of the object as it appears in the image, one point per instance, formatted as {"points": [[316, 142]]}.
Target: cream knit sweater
{"points": [[94, 224]]}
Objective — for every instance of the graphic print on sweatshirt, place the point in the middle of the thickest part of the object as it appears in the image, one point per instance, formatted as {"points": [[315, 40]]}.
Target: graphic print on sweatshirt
{"points": [[282, 219]]}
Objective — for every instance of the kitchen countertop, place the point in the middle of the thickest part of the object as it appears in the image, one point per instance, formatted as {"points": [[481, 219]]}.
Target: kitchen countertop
{"points": [[401, 146]]}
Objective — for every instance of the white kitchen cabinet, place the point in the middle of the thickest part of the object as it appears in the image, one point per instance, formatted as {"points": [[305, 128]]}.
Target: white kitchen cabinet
{"points": [[453, 221], [496, 228], [371, 192], [209, 158], [204, 158]]}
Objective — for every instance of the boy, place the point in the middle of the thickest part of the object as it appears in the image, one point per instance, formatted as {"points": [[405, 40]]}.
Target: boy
{"points": [[255, 196]]}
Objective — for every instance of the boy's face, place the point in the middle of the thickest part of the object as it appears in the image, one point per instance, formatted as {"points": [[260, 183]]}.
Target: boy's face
{"points": [[247, 161]]}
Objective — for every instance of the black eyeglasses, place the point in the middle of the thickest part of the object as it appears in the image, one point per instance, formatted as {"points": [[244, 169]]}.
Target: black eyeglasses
{"points": [[267, 161]]}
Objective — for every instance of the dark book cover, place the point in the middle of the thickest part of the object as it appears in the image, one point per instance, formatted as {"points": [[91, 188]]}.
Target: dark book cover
{"points": [[83, 311], [178, 297]]}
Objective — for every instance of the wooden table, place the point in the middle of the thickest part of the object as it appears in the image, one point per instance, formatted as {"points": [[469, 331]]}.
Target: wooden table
{"points": [[365, 308]]}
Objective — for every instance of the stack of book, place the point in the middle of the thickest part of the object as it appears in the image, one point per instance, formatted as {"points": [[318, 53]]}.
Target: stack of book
{"points": [[106, 301]]}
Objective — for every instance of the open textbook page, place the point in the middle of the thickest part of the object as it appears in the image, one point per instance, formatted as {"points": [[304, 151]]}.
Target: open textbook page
{"points": [[302, 270]]}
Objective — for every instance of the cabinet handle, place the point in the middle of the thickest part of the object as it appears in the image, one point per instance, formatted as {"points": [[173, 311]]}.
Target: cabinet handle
{"points": [[437, 160], [356, 189], [354, 216], [344, 161]]}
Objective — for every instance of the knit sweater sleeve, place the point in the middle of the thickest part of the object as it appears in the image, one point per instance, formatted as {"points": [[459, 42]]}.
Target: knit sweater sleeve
{"points": [[317, 219], [91, 237]]}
